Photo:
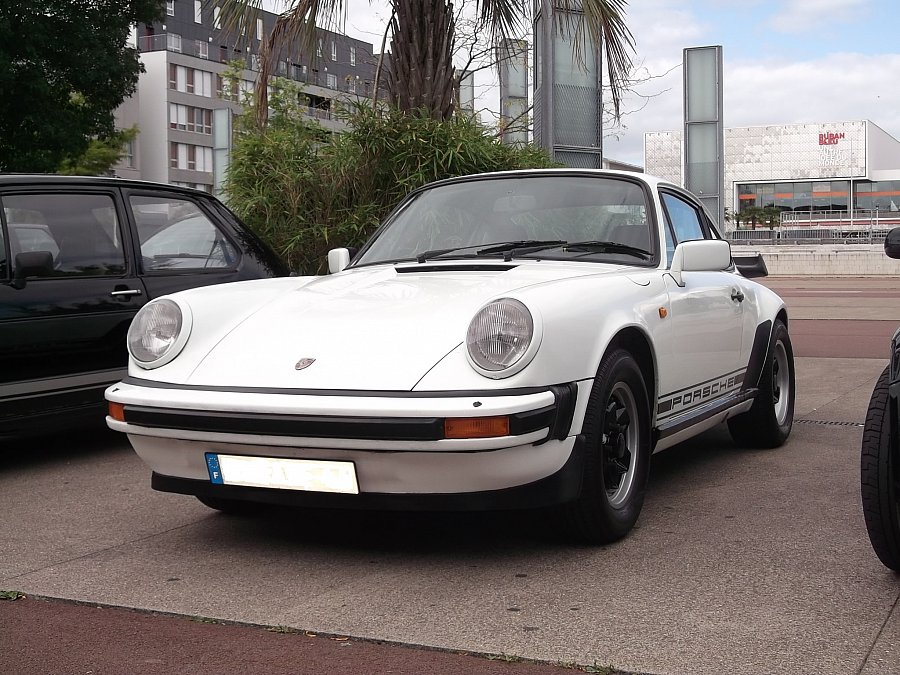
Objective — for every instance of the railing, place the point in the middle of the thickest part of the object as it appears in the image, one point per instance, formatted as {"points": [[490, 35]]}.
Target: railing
{"points": [[810, 235], [173, 43], [841, 219]]}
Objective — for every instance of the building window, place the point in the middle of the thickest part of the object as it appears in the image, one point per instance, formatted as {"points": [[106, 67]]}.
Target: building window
{"points": [[217, 21], [173, 42], [202, 49], [198, 11], [351, 84], [190, 80], [331, 81], [128, 155], [190, 157], [170, 7], [259, 29], [319, 48], [254, 62], [352, 56], [333, 51]]}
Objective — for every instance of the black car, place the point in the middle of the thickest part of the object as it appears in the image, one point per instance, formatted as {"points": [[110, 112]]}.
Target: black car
{"points": [[78, 258], [880, 468]]}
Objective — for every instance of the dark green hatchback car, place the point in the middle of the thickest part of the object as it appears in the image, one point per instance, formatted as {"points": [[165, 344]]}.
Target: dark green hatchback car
{"points": [[78, 258]]}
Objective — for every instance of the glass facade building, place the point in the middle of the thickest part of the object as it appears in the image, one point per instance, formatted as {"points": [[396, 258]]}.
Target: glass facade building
{"points": [[810, 172]]}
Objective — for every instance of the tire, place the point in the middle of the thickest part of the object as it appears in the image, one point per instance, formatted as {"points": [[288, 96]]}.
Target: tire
{"points": [[617, 441], [880, 477], [231, 507], [768, 423]]}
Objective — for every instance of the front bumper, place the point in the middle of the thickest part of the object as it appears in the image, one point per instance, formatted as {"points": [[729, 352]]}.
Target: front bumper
{"points": [[394, 439]]}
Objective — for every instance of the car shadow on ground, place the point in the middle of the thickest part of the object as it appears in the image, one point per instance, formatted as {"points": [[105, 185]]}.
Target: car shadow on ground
{"points": [[457, 533]]}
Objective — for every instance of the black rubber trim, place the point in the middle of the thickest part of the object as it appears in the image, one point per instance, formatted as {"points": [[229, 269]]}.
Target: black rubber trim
{"points": [[373, 393], [758, 354], [320, 426], [559, 488], [458, 267], [566, 397], [685, 421], [309, 426]]}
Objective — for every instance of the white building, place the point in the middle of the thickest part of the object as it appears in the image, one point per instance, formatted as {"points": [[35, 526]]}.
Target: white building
{"points": [[827, 173]]}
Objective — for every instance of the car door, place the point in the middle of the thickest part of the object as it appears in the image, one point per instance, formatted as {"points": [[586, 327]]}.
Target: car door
{"points": [[68, 291], [181, 242], [705, 319]]}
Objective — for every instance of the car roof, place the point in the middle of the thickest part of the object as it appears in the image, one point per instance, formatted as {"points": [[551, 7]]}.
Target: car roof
{"points": [[652, 181], [52, 179]]}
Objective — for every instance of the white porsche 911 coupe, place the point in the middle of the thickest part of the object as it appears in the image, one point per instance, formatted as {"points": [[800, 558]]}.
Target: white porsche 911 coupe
{"points": [[509, 340]]}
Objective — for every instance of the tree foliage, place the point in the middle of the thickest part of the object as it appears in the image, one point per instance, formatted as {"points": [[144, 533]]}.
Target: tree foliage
{"points": [[100, 156], [306, 191], [64, 68]]}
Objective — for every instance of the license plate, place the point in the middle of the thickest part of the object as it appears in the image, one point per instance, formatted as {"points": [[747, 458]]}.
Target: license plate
{"points": [[283, 474]]}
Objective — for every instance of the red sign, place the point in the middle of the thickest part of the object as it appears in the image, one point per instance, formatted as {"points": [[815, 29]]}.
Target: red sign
{"points": [[830, 138]]}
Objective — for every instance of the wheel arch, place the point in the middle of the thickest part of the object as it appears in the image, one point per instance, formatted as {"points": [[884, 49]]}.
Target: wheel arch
{"points": [[637, 343]]}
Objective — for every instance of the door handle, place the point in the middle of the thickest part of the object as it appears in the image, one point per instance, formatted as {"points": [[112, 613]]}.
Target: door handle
{"points": [[737, 295], [126, 293]]}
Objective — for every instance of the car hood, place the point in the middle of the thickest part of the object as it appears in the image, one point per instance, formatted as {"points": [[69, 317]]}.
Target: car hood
{"points": [[368, 329]]}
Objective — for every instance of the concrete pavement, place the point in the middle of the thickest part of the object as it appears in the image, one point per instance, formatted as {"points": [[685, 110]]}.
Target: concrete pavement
{"points": [[742, 561]]}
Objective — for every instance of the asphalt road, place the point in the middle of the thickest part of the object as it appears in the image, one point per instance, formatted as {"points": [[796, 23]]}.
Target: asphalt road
{"points": [[742, 561]]}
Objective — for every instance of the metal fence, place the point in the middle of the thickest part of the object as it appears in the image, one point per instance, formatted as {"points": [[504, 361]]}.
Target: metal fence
{"points": [[809, 235]]}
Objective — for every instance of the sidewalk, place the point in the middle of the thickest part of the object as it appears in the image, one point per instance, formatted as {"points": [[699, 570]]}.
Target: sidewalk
{"points": [[41, 636]]}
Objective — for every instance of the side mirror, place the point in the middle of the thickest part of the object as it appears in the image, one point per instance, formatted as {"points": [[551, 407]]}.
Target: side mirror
{"points": [[892, 243], [31, 264], [702, 255], [338, 259]]}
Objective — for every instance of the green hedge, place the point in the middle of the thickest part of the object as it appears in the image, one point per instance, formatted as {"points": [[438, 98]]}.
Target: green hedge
{"points": [[306, 191]]}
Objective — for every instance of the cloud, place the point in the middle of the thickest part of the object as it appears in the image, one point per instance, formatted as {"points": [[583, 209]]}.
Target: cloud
{"points": [[799, 16], [834, 88]]}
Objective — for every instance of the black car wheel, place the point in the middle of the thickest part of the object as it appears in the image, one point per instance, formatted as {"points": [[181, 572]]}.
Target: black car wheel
{"points": [[617, 438], [880, 476], [768, 423]]}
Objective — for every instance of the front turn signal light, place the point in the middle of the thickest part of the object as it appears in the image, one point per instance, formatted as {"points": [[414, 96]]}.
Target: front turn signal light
{"points": [[476, 427], [117, 411]]}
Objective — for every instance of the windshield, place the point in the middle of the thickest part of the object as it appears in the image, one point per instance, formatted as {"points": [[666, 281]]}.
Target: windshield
{"points": [[534, 216]]}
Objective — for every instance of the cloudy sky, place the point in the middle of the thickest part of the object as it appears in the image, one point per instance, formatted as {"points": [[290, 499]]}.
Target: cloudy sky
{"points": [[785, 62]]}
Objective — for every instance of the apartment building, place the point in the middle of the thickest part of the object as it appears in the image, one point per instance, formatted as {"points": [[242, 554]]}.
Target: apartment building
{"points": [[185, 58]]}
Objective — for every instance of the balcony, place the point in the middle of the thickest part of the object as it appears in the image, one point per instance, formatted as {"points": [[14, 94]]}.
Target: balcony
{"points": [[172, 42]]}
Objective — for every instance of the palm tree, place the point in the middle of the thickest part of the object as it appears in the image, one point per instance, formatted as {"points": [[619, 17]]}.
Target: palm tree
{"points": [[421, 77]]}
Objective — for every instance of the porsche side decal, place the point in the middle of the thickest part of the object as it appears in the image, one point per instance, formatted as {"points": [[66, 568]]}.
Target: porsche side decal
{"points": [[690, 397]]}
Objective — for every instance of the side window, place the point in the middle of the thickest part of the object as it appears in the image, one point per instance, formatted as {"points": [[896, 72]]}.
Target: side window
{"points": [[683, 223], [174, 234], [80, 232]]}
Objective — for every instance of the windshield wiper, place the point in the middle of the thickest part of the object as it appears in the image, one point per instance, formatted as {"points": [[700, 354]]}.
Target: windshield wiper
{"points": [[505, 247], [604, 246], [438, 252], [521, 247]]}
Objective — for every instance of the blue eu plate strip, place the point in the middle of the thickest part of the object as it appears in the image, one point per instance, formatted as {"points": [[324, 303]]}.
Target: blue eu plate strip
{"points": [[215, 473]]}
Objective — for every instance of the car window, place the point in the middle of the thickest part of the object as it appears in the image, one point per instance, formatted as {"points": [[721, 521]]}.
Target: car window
{"points": [[175, 234], [683, 223], [79, 231], [4, 268], [479, 213]]}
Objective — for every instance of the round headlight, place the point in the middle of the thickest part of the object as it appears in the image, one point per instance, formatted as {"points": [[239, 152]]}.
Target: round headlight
{"points": [[158, 332], [499, 336]]}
